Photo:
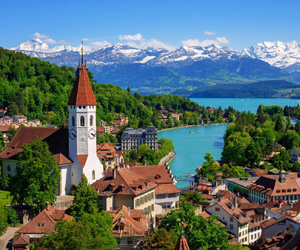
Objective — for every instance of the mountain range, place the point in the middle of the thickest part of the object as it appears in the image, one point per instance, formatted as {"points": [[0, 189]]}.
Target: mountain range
{"points": [[150, 70]]}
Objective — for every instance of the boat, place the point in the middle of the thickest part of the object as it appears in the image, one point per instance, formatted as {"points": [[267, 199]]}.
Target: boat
{"points": [[191, 132]]}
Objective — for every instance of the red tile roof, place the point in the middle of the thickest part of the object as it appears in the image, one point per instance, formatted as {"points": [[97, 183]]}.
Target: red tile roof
{"points": [[82, 160], [57, 140], [44, 222], [21, 240], [125, 182], [82, 92], [105, 151], [166, 189], [134, 222], [182, 243]]}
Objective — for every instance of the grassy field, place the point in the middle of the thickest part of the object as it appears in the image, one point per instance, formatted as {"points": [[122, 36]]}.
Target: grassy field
{"points": [[4, 198]]}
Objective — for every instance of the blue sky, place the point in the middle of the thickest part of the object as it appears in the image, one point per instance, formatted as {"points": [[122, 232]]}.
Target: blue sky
{"points": [[236, 24]]}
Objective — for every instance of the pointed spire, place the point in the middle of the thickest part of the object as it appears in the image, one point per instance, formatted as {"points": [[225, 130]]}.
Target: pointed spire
{"points": [[82, 92], [81, 52], [182, 243]]}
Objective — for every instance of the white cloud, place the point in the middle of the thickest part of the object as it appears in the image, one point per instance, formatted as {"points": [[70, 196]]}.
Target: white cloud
{"points": [[204, 43], [209, 33], [100, 44], [151, 43], [85, 39], [136, 37], [38, 35], [222, 39], [49, 40]]}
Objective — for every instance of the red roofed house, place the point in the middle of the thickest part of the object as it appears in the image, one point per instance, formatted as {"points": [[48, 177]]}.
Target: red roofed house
{"points": [[21, 242], [122, 186], [109, 156], [129, 227], [272, 187], [74, 148], [167, 194], [44, 222]]}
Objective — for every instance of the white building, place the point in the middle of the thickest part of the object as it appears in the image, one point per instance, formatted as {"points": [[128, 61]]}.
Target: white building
{"points": [[74, 148]]}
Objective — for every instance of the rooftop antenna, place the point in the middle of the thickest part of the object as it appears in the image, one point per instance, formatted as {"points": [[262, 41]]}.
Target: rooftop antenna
{"points": [[81, 52]]}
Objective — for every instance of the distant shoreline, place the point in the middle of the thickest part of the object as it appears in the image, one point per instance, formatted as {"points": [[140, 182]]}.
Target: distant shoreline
{"points": [[191, 126]]}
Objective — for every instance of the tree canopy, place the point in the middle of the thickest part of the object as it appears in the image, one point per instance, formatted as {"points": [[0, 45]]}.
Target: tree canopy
{"points": [[85, 200], [37, 176], [200, 233]]}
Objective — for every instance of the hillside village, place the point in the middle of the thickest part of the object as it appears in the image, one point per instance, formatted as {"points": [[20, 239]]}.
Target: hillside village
{"points": [[261, 211]]}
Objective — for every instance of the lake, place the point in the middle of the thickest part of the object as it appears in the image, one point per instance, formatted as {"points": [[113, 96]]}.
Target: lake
{"points": [[191, 148], [244, 104]]}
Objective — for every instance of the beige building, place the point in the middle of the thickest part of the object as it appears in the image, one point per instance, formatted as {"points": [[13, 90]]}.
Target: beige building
{"points": [[109, 156], [236, 221]]}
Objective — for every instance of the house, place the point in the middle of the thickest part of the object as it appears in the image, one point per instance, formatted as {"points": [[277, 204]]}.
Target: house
{"points": [[34, 123], [21, 242], [19, 118], [109, 156], [176, 117], [122, 186], [8, 119], [276, 225], [129, 227], [166, 193], [44, 222], [2, 112], [273, 187], [100, 130], [74, 148], [236, 221], [295, 155], [4, 129]]}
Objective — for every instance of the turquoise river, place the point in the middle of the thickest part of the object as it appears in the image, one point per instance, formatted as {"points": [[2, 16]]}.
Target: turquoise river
{"points": [[191, 147]]}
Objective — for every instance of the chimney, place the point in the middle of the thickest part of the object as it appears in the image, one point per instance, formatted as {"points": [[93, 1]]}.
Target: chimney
{"points": [[47, 206], [235, 204], [145, 163], [127, 166], [114, 173]]}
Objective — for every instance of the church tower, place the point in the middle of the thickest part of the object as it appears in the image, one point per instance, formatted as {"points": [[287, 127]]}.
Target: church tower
{"points": [[82, 130]]}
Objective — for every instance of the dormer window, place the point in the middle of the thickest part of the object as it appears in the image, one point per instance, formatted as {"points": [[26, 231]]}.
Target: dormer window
{"points": [[277, 191], [121, 227], [294, 189]]}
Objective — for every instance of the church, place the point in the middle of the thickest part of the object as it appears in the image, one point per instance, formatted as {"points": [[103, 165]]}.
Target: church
{"points": [[75, 148]]}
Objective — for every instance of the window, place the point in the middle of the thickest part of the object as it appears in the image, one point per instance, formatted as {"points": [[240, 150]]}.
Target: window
{"points": [[39, 224], [129, 241], [93, 175], [82, 121], [121, 227], [8, 168], [217, 209], [152, 207], [73, 120], [231, 226], [91, 120], [231, 219], [79, 107]]}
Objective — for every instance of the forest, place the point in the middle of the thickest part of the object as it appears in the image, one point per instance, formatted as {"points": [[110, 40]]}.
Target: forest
{"points": [[263, 140]]}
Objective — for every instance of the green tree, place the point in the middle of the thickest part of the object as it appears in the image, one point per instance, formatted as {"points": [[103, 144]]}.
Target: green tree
{"points": [[85, 200], [2, 144], [12, 109], [282, 160], [12, 216], [290, 139], [91, 232], [253, 154], [200, 233], [192, 196], [142, 149], [160, 239], [3, 220], [37, 176]]}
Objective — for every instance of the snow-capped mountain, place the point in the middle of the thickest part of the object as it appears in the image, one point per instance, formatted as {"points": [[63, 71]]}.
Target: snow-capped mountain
{"points": [[278, 54], [187, 66]]}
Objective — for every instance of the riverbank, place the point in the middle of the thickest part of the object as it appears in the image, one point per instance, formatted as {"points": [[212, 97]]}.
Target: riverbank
{"points": [[192, 126], [166, 159]]}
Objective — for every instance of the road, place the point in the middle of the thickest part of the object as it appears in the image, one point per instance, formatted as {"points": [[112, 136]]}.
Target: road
{"points": [[5, 242]]}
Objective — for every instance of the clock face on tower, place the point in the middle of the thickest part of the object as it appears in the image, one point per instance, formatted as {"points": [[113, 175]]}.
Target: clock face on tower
{"points": [[92, 133], [72, 133]]}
